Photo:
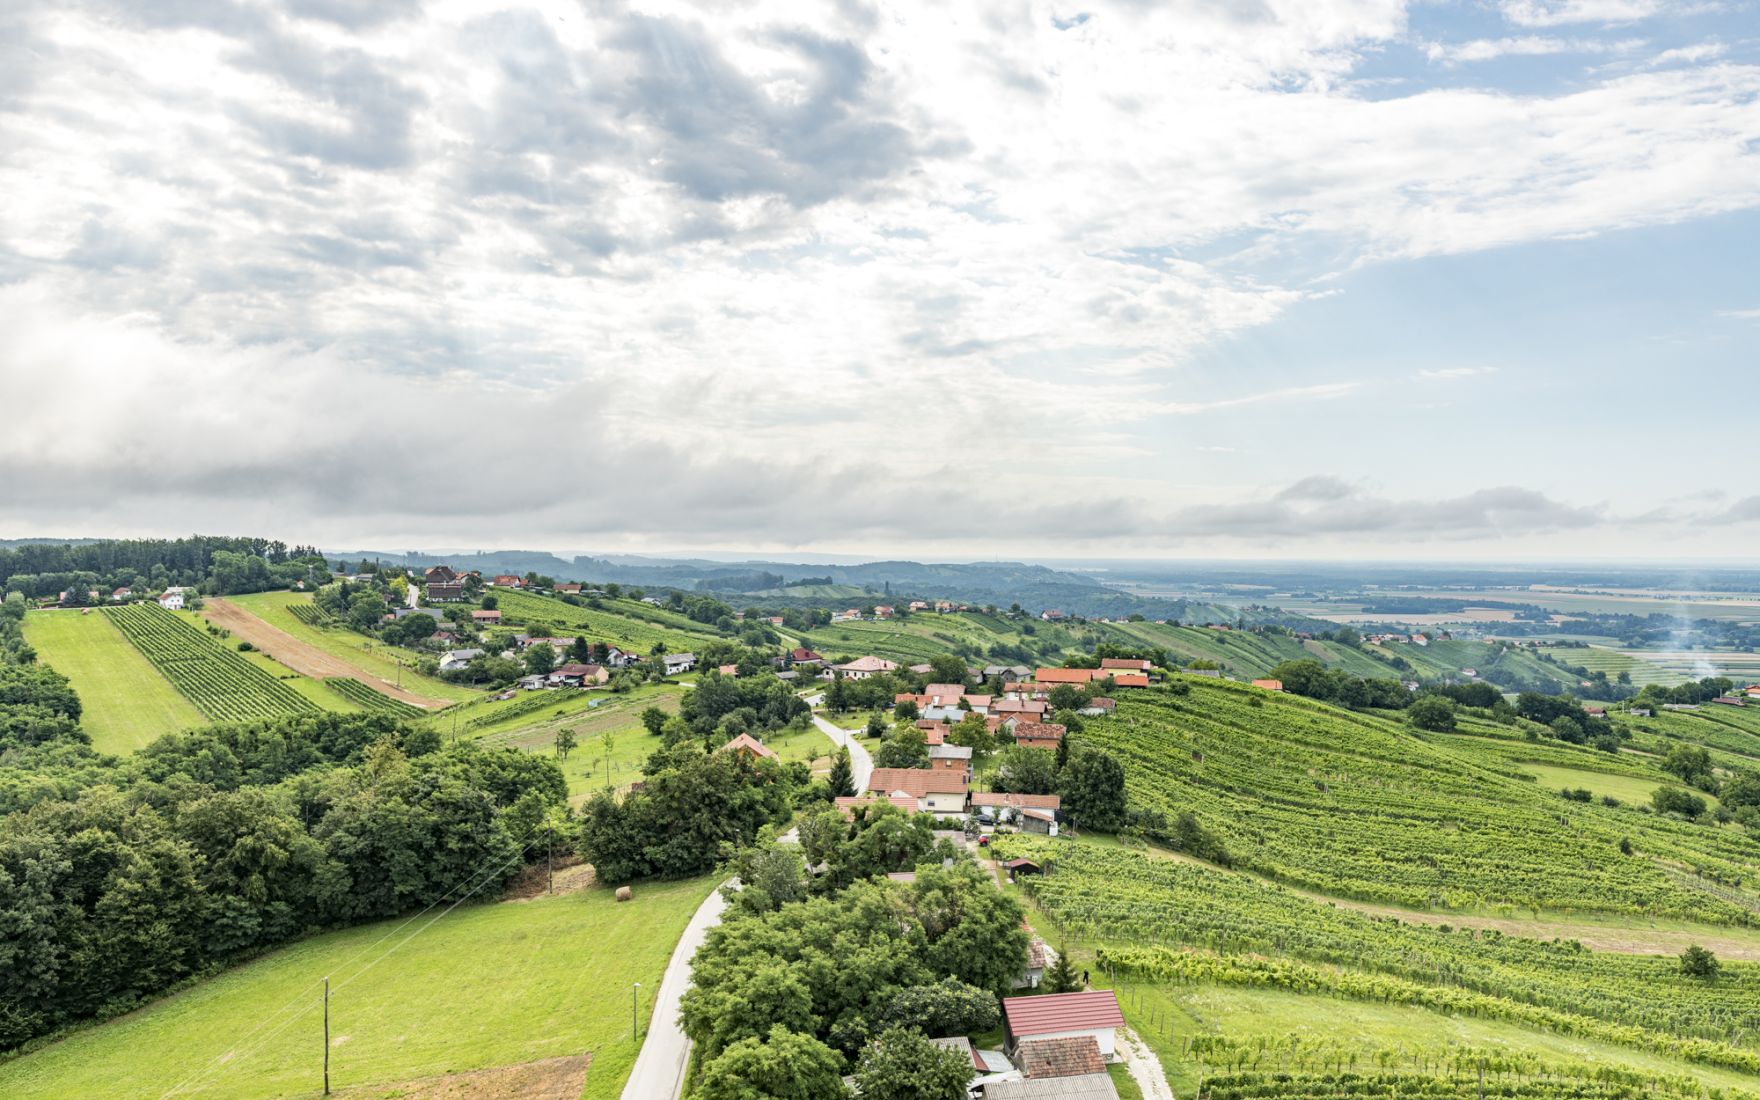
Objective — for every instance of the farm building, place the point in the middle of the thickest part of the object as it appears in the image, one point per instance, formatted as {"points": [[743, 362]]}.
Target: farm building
{"points": [[489, 616], [1093, 1014], [1269, 685], [1038, 735], [679, 662]]}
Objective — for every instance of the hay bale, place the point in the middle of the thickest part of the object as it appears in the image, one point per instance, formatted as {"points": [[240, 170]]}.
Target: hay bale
{"points": [[624, 894]]}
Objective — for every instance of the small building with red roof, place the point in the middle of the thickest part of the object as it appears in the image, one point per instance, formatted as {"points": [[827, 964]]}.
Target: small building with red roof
{"points": [[746, 743], [1092, 1013]]}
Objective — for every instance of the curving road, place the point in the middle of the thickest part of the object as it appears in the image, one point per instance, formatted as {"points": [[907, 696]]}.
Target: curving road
{"points": [[861, 764], [660, 1066]]}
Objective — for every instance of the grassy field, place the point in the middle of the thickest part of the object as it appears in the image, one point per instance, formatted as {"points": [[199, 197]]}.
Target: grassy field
{"points": [[1623, 787], [127, 703], [370, 657], [487, 985]]}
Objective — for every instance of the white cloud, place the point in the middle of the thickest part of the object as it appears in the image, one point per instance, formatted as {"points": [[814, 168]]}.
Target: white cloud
{"points": [[1555, 13], [1740, 314], [745, 238], [1456, 372], [1489, 49]]}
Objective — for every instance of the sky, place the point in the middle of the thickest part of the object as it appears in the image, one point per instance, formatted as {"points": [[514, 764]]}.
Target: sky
{"points": [[1220, 278]]}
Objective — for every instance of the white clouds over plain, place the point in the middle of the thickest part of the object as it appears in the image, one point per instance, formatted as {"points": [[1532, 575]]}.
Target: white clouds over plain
{"points": [[746, 274]]}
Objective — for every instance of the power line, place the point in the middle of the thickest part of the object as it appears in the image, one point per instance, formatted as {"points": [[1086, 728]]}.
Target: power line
{"points": [[233, 1056]]}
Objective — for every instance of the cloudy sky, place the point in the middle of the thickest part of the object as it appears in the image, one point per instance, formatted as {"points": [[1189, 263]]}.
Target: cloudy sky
{"points": [[1306, 278]]}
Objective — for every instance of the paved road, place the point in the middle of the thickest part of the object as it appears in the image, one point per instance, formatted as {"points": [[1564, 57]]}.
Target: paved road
{"points": [[659, 1068], [861, 764]]}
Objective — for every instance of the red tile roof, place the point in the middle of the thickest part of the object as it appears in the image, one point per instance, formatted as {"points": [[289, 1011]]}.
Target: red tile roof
{"points": [[916, 781], [846, 804], [1130, 680], [1050, 1014], [745, 742], [1269, 685], [1064, 675], [1071, 1056], [1038, 731], [1130, 663]]}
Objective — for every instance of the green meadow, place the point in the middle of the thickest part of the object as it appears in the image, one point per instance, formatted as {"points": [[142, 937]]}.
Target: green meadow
{"points": [[127, 703]]}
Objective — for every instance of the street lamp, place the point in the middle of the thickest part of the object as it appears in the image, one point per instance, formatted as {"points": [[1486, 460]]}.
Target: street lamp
{"points": [[634, 993]]}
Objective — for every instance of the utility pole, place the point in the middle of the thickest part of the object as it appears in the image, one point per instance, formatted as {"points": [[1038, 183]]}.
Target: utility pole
{"points": [[549, 859], [635, 1028], [326, 1035]]}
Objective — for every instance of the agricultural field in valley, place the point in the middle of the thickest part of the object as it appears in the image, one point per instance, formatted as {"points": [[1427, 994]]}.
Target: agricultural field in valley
{"points": [[220, 682], [126, 702], [486, 985]]}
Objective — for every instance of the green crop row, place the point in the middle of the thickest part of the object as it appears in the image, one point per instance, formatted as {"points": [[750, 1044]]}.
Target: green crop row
{"points": [[365, 697], [223, 685]]}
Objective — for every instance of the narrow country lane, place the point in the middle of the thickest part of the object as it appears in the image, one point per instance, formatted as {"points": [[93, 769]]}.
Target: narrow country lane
{"points": [[861, 764], [660, 1066]]}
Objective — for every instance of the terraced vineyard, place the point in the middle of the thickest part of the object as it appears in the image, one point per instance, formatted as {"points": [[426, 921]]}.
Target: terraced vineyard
{"points": [[1174, 923], [1355, 805], [223, 685], [627, 624], [367, 699], [1464, 1084]]}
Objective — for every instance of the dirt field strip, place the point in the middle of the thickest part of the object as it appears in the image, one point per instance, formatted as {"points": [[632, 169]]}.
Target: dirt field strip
{"points": [[307, 660], [546, 1079]]}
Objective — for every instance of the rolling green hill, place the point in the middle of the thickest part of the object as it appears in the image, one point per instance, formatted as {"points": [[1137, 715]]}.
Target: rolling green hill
{"points": [[628, 624], [1358, 806]]}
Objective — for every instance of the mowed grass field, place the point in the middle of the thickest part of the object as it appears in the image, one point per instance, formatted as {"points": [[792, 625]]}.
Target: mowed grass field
{"points": [[373, 658], [127, 703], [487, 985]]}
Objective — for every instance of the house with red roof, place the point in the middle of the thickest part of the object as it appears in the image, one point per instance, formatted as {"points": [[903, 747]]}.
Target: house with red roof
{"points": [[1269, 685], [1125, 664], [936, 792], [1039, 735], [863, 667], [803, 656], [1092, 1013], [748, 744], [508, 580], [1063, 675]]}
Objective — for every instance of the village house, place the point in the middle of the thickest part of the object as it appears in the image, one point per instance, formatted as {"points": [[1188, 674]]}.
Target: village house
{"points": [[1054, 676], [847, 804], [527, 641], [508, 580], [845, 616], [449, 592], [937, 792], [1730, 701], [572, 588], [1595, 712], [1269, 685], [121, 594], [1093, 1014], [490, 617], [1006, 672], [171, 599], [1066, 1068], [618, 658], [934, 733], [951, 758], [882, 611], [863, 667], [1038, 735], [1124, 664], [917, 605], [1129, 679], [1030, 709], [679, 662], [454, 659], [578, 675], [537, 681], [803, 656], [1051, 615], [439, 574], [749, 745], [729, 671], [1032, 813]]}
